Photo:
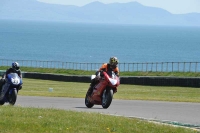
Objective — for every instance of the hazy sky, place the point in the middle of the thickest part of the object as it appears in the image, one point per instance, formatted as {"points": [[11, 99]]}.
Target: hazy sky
{"points": [[173, 6]]}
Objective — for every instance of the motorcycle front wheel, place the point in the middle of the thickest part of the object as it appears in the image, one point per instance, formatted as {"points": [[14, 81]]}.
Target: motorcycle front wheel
{"points": [[13, 97], [107, 98]]}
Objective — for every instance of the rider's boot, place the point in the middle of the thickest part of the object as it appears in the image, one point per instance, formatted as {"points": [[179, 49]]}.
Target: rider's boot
{"points": [[0, 87], [93, 83], [20, 87], [1, 84], [2, 92], [90, 90]]}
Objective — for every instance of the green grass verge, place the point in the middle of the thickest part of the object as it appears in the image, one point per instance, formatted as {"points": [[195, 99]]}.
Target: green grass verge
{"points": [[81, 72], [33, 120], [36, 87]]}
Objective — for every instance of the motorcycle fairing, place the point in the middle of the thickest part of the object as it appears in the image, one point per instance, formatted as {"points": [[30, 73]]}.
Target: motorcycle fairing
{"points": [[108, 81]]}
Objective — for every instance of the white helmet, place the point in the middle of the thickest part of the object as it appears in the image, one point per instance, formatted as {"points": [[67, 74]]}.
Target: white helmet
{"points": [[15, 65]]}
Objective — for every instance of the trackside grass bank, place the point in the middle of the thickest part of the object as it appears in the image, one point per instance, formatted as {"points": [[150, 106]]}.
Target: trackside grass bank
{"points": [[15, 119], [81, 72], [30, 120], [36, 87]]}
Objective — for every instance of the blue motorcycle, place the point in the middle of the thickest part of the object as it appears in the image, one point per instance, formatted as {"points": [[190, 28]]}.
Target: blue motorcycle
{"points": [[10, 89]]}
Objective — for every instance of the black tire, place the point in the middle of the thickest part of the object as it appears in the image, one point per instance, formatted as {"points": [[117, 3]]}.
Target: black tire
{"points": [[87, 102], [107, 98], [2, 102], [13, 97]]}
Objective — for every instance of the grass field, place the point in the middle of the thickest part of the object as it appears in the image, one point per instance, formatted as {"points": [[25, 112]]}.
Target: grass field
{"points": [[33, 120], [35, 87], [30, 120], [81, 72]]}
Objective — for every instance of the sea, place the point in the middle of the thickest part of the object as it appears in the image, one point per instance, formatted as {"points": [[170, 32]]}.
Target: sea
{"points": [[96, 43]]}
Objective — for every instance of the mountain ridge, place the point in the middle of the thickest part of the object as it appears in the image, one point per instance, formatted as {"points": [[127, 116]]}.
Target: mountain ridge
{"points": [[95, 12]]}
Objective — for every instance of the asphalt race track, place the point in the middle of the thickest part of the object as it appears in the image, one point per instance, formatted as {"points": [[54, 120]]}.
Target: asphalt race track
{"points": [[176, 112]]}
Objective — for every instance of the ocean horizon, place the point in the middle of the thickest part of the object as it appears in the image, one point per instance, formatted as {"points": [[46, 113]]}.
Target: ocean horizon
{"points": [[96, 43]]}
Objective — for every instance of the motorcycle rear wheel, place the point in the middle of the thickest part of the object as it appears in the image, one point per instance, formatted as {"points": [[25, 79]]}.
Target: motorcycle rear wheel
{"points": [[87, 102], [13, 97], [107, 98]]}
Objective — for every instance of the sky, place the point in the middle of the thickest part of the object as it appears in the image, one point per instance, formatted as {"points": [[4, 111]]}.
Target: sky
{"points": [[173, 6]]}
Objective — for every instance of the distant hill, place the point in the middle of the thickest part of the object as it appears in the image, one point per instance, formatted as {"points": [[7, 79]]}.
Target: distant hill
{"points": [[95, 12]]}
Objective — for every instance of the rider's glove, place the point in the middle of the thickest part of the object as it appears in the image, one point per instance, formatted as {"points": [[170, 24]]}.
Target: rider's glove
{"points": [[101, 73]]}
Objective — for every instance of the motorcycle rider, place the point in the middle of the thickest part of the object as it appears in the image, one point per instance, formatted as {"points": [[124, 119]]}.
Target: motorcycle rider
{"points": [[107, 67], [14, 69]]}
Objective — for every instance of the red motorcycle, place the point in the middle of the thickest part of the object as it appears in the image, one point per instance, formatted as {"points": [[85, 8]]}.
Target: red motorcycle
{"points": [[103, 91]]}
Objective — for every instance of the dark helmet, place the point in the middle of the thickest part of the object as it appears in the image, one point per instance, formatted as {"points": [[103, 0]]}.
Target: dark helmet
{"points": [[15, 65], [113, 61]]}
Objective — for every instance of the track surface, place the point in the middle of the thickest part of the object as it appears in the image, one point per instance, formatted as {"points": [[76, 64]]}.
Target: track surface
{"points": [[185, 113]]}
